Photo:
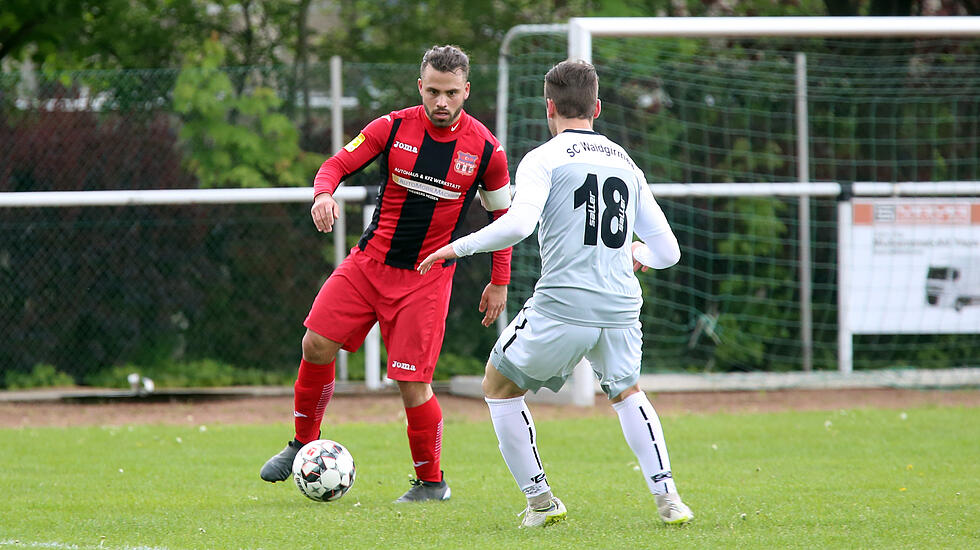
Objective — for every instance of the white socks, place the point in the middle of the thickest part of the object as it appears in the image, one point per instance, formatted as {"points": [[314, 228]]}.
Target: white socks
{"points": [[641, 426], [518, 445]]}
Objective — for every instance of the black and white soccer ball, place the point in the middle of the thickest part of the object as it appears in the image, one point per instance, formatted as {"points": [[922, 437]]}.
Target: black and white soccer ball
{"points": [[323, 470]]}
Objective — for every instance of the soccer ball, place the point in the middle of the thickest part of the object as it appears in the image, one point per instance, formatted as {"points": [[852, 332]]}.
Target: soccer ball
{"points": [[323, 470]]}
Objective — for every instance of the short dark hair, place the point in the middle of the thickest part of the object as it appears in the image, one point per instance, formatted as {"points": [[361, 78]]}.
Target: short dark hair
{"points": [[446, 59], [573, 86]]}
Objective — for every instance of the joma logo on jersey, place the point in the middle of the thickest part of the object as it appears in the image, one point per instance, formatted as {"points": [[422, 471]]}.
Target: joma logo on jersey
{"points": [[403, 366], [465, 163], [406, 147]]}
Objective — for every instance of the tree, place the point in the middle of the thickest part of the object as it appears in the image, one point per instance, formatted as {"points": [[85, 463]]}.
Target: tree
{"points": [[36, 25], [901, 7], [235, 139], [86, 34], [79, 34], [399, 31], [72, 34]]}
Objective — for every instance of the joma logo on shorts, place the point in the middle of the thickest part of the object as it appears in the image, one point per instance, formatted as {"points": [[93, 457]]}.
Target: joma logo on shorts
{"points": [[403, 366]]}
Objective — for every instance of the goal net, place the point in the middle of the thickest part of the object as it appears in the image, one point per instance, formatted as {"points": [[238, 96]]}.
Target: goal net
{"points": [[758, 286]]}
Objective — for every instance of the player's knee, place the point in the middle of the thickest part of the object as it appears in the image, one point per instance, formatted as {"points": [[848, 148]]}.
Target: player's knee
{"points": [[635, 388], [498, 386], [414, 393], [317, 349]]}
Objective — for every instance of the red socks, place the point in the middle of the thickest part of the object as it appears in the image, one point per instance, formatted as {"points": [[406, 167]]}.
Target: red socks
{"points": [[425, 438], [312, 392]]}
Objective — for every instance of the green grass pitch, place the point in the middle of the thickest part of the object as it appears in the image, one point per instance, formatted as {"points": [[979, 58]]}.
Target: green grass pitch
{"points": [[857, 478]]}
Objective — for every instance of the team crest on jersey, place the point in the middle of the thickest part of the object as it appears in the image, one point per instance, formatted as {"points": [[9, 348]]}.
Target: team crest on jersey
{"points": [[465, 163]]}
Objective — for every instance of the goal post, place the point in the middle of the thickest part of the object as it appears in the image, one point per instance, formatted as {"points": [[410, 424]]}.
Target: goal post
{"points": [[581, 30], [891, 102]]}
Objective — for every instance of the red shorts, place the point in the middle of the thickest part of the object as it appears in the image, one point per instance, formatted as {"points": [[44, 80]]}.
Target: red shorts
{"points": [[410, 308]]}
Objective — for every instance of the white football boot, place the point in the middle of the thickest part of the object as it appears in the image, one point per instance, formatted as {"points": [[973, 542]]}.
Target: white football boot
{"points": [[543, 517], [672, 510]]}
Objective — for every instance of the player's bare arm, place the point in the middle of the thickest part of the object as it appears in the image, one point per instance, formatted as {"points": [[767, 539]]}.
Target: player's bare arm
{"points": [[325, 211], [444, 253], [492, 302]]}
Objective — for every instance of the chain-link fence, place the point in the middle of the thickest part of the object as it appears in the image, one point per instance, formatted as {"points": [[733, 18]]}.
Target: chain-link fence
{"points": [[193, 295], [217, 294]]}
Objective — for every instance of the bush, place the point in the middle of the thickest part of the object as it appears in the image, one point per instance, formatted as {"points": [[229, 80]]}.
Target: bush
{"points": [[191, 374], [42, 376], [451, 365]]}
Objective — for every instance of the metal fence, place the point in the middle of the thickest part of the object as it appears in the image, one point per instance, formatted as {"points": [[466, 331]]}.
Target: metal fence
{"points": [[207, 293]]}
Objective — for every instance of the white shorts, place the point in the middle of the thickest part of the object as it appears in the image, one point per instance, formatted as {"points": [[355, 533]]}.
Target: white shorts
{"points": [[536, 351]]}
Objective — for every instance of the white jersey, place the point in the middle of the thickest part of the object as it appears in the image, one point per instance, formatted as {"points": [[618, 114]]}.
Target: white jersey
{"points": [[586, 229], [589, 198]]}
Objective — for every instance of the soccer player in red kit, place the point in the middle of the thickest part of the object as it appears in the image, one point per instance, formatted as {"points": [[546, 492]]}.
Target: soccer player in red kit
{"points": [[434, 159]]}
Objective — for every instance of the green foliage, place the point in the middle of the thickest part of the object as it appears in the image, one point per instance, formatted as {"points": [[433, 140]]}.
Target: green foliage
{"points": [[451, 364], [754, 292], [42, 376], [37, 25], [190, 374], [62, 34], [399, 32], [236, 139], [156, 33], [954, 350], [90, 34]]}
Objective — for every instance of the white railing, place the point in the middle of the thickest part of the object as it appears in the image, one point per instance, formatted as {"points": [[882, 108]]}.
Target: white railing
{"points": [[56, 199], [581, 390]]}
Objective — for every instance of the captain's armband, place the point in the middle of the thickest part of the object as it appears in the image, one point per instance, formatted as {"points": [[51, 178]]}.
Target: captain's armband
{"points": [[498, 199]]}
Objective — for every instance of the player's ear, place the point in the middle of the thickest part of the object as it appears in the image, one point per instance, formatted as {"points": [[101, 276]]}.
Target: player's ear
{"points": [[420, 86], [466, 91], [598, 108], [552, 110]]}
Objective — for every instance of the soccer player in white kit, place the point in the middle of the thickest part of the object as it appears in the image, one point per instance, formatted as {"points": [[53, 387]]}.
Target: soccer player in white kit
{"points": [[589, 198]]}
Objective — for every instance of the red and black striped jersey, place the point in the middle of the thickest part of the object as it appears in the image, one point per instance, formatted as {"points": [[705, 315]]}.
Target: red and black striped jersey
{"points": [[429, 176]]}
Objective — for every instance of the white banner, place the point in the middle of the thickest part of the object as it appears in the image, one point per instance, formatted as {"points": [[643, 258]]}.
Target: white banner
{"points": [[911, 266]]}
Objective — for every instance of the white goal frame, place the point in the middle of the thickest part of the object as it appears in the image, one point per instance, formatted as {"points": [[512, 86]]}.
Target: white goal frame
{"points": [[581, 31]]}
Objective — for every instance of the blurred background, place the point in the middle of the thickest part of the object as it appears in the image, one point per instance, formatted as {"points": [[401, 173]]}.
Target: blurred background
{"points": [[186, 94]]}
